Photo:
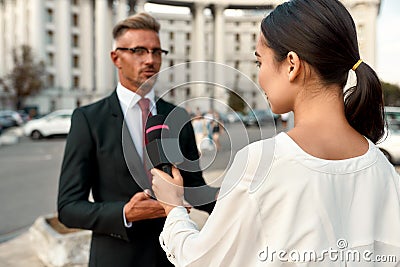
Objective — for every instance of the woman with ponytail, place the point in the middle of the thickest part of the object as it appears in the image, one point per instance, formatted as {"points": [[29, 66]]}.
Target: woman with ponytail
{"points": [[321, 187]]}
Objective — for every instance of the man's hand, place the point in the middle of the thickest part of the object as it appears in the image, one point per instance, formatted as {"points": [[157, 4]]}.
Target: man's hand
{"points": [[142, 207], [168, 190]]}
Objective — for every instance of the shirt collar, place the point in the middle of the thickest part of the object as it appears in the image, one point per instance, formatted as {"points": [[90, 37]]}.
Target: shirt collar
{"points": [[129, 99]]}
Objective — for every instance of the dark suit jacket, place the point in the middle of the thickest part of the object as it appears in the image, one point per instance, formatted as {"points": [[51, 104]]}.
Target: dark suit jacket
{"points": [[94, 162]]}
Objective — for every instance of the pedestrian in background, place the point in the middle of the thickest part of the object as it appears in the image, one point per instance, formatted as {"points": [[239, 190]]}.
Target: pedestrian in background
{"points": [[200, 128], [217, 127], [323, 184]]}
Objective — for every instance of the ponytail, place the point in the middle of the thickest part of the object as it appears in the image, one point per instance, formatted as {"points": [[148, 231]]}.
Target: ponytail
{"points": [[364, 105]]}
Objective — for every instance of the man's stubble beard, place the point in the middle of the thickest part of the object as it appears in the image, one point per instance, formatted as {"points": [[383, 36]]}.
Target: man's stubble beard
{"points": [[145, 85]]}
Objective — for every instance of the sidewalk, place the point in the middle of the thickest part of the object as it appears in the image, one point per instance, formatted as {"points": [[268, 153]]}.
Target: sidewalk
{"points": [[18, 252], [11, 136]]}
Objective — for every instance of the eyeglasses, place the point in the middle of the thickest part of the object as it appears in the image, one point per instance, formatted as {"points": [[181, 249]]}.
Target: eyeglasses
{"points": [[143, 51]]}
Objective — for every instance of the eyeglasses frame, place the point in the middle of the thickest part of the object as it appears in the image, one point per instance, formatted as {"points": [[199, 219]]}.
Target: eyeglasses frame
{"points": [[134, 50]]}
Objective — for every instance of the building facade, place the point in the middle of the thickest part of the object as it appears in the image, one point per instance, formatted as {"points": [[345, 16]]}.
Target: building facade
{"points": [[74, 40]]}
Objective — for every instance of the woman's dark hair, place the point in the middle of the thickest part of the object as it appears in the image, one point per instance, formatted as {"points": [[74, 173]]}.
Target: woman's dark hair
{"points": [[323, 33]]}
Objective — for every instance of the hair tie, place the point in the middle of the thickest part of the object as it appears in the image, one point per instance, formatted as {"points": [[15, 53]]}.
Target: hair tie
{"points": [[356, 65]]}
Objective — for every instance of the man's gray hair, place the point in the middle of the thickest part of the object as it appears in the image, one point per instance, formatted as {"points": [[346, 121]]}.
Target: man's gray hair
{"points": [[140, 21]]}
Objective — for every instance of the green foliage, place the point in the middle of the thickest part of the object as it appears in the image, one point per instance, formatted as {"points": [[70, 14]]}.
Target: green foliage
{"points": [[391, 94], [26, 78]]}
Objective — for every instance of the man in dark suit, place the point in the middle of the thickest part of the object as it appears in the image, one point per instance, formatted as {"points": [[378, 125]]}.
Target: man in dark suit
{"points": [[103, 156]]}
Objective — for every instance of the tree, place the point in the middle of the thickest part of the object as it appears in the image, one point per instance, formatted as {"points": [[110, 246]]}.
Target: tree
{"points": [[26, 78], [391, 94], [236, 102]]}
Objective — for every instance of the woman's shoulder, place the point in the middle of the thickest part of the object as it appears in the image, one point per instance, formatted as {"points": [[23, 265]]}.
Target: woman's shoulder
{"points": [[250, 165]]}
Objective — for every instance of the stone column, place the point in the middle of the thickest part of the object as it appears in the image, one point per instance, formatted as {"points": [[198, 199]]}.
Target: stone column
{"points": [[369, 52], [103, 46], [219, 34], [37, 29], [63, 45], [198, 71], [21, 23], [365, 15], [9, 45], [199, 32], [2, 51], [219, 53], [87, 46], [140, 6], [122, 10]]}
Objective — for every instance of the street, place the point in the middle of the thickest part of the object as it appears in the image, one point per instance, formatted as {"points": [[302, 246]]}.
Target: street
{"points": [[29, 172], [28, 183]]}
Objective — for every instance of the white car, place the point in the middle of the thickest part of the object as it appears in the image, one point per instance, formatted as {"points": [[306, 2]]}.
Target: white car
{"points": [[391, 145], [55, 123]]}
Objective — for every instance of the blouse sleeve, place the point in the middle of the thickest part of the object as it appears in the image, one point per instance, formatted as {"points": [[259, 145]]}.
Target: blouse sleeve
{"points": [[226, 231]]}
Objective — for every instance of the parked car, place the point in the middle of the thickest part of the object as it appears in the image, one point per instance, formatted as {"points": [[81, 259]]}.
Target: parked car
{"points": [[391, 145], [24, 116], [258, 117], [234, 116], [10, 118], [55, 123]]}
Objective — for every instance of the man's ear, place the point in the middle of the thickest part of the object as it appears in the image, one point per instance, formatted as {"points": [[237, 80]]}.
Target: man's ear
{"points": [[294, 65], [114, 58]]}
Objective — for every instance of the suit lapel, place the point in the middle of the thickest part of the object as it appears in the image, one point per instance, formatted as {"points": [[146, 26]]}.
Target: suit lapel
{"points": [[129, 152]]}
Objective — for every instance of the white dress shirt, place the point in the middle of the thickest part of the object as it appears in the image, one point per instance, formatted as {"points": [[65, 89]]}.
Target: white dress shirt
{"points": [[133, 115], [133, 118], [277, 203]]}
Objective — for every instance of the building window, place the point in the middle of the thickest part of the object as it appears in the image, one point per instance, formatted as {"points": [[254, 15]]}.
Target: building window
{"points": [[75, 61], [50, 80], [171, 49], [75, 40], [171, 63], [50, 37], [171, 36], [187, 92], [172, 92], [75, 2], [75, 20], [188, 36], [237, 64], [76, 82], [237, 37], [187, 51], [50, 59], [49, 15], [171, 77], [254, 37]]}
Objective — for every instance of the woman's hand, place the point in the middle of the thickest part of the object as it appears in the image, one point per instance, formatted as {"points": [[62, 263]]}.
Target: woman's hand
{"points": [[168, 190]]}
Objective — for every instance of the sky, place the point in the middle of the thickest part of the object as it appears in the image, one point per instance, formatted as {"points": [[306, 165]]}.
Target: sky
{"points": [[388, 42]]}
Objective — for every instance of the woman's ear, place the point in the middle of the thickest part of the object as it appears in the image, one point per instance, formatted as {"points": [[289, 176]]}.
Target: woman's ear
{"points": [[294, 65]]}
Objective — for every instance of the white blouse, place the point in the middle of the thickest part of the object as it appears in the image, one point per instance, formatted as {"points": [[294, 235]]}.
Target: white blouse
{"points": [[280, 206]]}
